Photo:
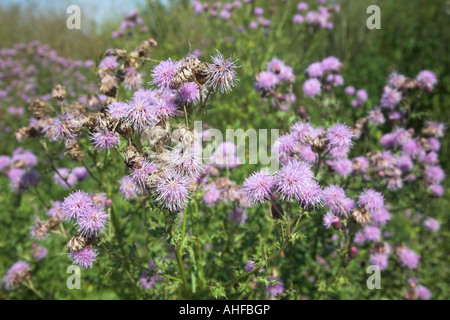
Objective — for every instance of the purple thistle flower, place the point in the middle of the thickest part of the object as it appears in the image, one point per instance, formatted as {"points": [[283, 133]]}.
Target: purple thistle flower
{"points": [[311, 195], [432, 224], [128, 188], [371, 200], [132, 79], [411, 147], [381, 217], [350, 90], [360, 164], [221, 74], [80, 173], [339, 136], [211, 196], [84, 258], [376, 117], [105, 139], [302, 6], [249, 266], [409, 258], [434, 174], [390, 98], [329, 219], [117, 109], [396, 80], [277, 287], [139, 111], [5, 161], [423, 293], [164, 72], [298, 19], [404, 163], [108, 62], [331, 64], [172, 190], [427, 79], [433, 144], [190, 92], [437, 190], [291, 178], [258, 186], [315, 70], [302, 131], [92, 221], [312, 87], [39, 252], [380, 260], [266, 80], [188, 162], [76, 204], [15, 274], [142, 172], [343, 167], [333, 196], [372, 233]]}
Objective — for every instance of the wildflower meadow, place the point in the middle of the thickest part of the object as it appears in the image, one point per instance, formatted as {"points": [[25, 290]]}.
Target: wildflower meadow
{"points": [[225, 150]]}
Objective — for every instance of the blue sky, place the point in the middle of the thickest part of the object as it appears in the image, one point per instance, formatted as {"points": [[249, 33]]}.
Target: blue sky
{"points": [[98, 9]]}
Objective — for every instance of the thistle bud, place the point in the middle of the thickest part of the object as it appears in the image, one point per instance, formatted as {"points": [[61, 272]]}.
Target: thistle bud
{"points": [[277, 211], [353, 252]]}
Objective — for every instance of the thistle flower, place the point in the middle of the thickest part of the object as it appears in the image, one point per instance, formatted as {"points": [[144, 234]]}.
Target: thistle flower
{"points": [[331, 64], [108, 62], [339, 136], [343, 167], [142, 172], [329, 219], [434, 174], [360, 164], [190, 92], [18, 272], [105, 139], [139, 111], [276, 287], [132, 79], [302, 131], [76, 204], [372, 233], [409, 258], [39, 252], [258, 186], [128, 188], [84, 257], [189, 163], [164, 73], [371, 200], [92, 221], [291, 178], [380, 260], [211, 196], [266, 81], [390, 98], [432, 224], [376, 117], [437, 190], [221, 74], [312, 87], [298, 19], [5, 162], [427, 79], [381, 217], [315, 70], [249, 266], [423, 293], [117, 109], [172, 190], [333, 196]]}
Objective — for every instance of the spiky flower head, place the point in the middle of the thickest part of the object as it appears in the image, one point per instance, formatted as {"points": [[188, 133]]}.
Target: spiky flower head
{"points": [[221, 73], [258, 187]]}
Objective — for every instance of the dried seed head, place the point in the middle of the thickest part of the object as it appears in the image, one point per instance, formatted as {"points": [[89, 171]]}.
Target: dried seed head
{"points": [[73, 150], [132, 156], [183, 135], [318, 145], [146, 46], [26, 132], [361, 216], [77, 242], [37, 107], [59, 92], [155, 137]]}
